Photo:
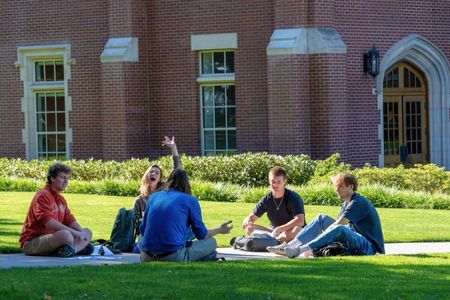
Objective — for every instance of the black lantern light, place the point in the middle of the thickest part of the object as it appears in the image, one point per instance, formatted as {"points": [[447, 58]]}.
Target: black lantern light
{"points": [[372, 62]]}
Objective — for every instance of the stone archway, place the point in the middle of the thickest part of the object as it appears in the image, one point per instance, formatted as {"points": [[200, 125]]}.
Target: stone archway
{"points": [[435, 66]]}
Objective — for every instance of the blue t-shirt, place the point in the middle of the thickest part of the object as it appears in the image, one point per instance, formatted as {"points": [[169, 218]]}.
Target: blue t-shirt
{"points": [[364, 219], [168, 219], [280, 211]]}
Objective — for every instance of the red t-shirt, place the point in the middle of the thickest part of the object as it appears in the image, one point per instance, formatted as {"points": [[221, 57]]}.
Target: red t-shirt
{"points": [[46, 204]]}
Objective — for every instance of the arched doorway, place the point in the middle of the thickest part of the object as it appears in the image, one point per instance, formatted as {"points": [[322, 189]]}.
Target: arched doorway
{"points": [[405, 116]]}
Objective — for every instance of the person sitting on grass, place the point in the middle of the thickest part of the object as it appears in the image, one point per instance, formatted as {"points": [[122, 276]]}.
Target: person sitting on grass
{"points": [[50, 228], [151, 181], [284, 208], [357, 227], [168, 219]]}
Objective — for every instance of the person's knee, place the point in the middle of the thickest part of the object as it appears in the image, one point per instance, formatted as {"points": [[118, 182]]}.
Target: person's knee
{"points": [[341, 231], [88, 233], [64, 237], [212, 243], [322, 217]]}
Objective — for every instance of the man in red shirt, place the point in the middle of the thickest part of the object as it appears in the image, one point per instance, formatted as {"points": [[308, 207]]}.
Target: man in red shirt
{"points": [[50, 228]]}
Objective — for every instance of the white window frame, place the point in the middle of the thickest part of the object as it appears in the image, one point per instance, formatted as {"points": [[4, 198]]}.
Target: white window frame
{"points": [[220, 79], [26, 58]]}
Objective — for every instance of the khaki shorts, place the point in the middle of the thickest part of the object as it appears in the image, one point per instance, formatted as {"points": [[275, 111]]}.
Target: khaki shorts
{"points": [[38, 246]]}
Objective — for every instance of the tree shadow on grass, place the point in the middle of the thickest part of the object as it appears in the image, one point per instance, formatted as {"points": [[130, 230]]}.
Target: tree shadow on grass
{"points": [[9, 235], [379, 277], [9, 222]]}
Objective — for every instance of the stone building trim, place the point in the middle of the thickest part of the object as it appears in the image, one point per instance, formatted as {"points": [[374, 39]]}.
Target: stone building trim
{"points": [[125, 49], [433, 63], [306, 41], [202, 42], [25, 57]]}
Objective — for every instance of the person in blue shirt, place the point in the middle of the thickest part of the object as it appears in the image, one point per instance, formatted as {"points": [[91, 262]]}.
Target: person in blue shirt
{"points": [[167, 221], [358, 225]]}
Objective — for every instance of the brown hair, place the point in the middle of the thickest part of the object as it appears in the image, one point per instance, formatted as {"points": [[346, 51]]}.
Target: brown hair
{"points": [[178, 180], [345, 178], [278, 171], [144, 189], [55, 169]]}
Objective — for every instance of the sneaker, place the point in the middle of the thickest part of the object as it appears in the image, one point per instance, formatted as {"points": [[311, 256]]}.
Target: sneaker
{"points": [[65, 251], [87, 250], [292, 252], [278, 249]]}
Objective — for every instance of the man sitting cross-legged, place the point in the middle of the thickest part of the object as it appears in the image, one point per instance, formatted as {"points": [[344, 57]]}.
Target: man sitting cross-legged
{"points": [[50, 228], [284, 209], [358, 225]]}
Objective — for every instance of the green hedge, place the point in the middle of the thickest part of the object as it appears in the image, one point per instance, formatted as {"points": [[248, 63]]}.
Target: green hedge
{"points": [[322, 194], [249, 169], [428, 178]]}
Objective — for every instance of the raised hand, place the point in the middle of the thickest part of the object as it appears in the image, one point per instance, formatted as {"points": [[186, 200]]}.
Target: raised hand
{"points": [[168, 142]]}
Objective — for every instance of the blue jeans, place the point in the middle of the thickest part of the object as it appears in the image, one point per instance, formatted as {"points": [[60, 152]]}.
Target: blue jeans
{"points": [[355, 242], [314, 229]]}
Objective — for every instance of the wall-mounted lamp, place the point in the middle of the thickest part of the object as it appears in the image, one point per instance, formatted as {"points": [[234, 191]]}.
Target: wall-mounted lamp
{"points": [[372, 62]]}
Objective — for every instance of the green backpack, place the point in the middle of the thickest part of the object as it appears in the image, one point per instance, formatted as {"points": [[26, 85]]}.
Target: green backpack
{"points": [[124, 231]]}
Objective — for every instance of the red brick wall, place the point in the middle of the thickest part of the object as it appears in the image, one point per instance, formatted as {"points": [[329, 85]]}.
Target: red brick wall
{"points": [[389, 22], [289, 104], [123, 110], [330, 118], [291, 13], [173, 69], [30, 23], [125, 92]]}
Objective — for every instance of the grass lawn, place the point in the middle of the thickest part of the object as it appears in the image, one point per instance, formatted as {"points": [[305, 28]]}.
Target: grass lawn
{"points": [[376, 277], [98, 213], [373, 277]]}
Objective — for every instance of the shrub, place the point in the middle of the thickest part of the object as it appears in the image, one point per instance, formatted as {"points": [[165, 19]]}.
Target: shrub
{"points": [[322, 194], [253, 195], [249, 169], [20, 185], [428, 178], [328, 167], [221, 192]]}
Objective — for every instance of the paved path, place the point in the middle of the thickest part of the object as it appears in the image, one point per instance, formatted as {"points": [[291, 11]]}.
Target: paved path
{"points": [[23, 261]]}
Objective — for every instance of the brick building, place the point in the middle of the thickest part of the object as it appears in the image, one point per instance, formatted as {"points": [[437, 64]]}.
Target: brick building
{"points": [[108, 79]]}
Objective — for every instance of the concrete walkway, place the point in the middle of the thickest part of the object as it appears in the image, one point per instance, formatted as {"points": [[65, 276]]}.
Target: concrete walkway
{"points": [[23, 261]]}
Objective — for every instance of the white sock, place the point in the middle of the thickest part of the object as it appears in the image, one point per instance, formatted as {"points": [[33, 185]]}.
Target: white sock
{"points": [[294, 243]]}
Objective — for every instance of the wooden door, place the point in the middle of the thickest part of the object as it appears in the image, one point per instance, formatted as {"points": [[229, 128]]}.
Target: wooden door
{"points": [[405, 117], [393, 129], [415, 133]]}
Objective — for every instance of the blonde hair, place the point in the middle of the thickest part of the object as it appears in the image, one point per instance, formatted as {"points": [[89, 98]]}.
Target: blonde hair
{"points": [[144, 189]]}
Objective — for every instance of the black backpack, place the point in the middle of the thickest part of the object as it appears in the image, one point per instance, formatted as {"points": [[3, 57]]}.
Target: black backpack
{"points": [[124, 231], [333, 249], [253, 243]]}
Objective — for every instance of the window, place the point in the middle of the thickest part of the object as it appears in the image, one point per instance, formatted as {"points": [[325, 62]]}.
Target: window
{"points": [[51, 70], [219, 119], [45, 71], [218, 102], [51, 125], [391, 80], [217, 62]]}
